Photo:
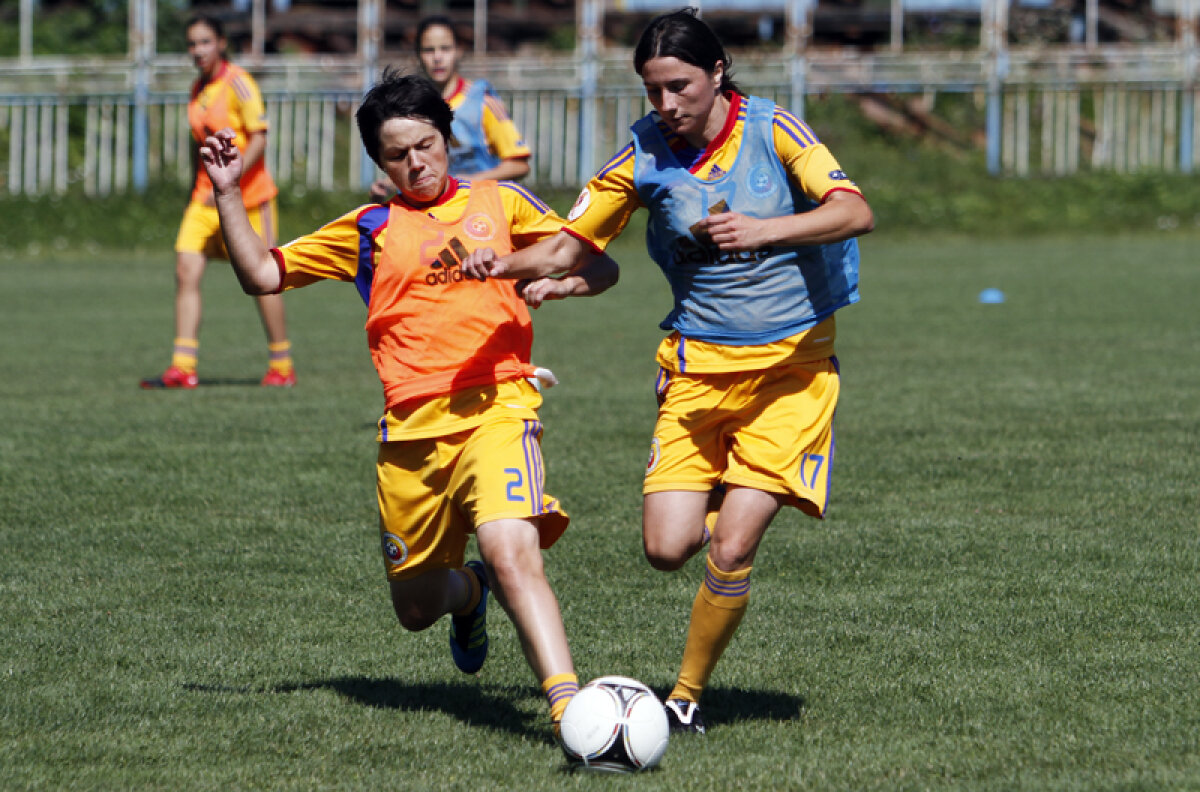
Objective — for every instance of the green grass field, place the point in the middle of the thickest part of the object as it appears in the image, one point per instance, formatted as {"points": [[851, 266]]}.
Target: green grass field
{"points": [[1003, 597]]}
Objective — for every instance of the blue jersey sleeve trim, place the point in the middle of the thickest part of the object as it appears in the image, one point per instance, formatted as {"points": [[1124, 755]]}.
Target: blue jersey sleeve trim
{"points": [[618, 159], [372, 221], [799, 131], [525, 193]]}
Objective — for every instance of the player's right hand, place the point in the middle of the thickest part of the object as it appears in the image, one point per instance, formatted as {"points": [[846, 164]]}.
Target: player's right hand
{"points": [[483, 263], [382, 190], [222, 160]]}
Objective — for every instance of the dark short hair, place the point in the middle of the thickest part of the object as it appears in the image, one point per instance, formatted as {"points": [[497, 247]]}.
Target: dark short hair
{"points": [[682, 34], [399, 95], [213, 23], [434, 21]]}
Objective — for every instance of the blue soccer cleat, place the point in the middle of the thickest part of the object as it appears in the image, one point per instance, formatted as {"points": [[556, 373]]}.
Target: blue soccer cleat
{"points": [[468, 634]]}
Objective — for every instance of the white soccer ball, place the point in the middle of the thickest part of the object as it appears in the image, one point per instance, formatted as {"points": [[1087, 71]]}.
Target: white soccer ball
{"points": [[615, 723]]}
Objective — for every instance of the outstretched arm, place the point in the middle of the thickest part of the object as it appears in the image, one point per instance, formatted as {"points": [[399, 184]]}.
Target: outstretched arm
{"points": [[252, 261], [554, 255], [510, 169], [597, 274]]}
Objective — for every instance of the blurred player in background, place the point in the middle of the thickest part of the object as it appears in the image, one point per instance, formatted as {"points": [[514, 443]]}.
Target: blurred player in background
{"points": [[753, 222], [486, 144], [224, 96], [460, 439]]}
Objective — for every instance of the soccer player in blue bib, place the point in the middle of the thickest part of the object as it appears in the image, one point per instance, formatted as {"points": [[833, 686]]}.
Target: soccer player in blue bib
{"points": [[753, 223], [486, 144]]}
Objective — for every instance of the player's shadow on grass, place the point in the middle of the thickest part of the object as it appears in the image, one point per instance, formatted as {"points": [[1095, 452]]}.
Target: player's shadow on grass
{"points": [[228, 382], [470, 703]]}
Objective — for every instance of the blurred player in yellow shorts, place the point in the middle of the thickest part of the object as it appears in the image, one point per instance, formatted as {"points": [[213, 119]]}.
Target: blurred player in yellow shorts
{"points": [[200, 229], [224, 96]]}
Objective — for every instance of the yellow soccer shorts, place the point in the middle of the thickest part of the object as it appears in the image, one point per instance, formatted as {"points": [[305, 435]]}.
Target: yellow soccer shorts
{"points": [[200, 229], [771, 430], [434, 492]]}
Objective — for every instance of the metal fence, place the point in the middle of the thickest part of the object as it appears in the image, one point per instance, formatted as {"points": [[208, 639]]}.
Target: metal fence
{"points": [[100, 127]]}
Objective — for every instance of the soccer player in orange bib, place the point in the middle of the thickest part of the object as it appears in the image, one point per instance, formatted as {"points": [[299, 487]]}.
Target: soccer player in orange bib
{"points": [[752, 222], [459, 445], [224, 96]]}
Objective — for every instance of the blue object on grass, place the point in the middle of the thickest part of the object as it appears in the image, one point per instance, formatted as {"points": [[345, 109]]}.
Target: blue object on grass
{"points": [[991, 296]]}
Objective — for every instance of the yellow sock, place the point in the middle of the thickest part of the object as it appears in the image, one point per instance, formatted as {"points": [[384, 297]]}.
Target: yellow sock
{"points": [[280, 357], [184, 355], [713, 510], [716, 613], [559, 690], [473, 591]]}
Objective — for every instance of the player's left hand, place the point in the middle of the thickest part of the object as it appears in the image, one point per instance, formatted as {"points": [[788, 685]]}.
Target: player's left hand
{"points": [[735, 232], [537, 291], [222, 160]]}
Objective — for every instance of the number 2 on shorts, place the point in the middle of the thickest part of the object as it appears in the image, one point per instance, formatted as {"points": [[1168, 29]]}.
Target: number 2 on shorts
{"points": [[515, 482]]}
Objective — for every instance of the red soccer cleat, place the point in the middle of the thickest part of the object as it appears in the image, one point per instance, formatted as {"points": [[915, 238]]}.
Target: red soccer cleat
{"points": [[173, 377], [273, 379]]}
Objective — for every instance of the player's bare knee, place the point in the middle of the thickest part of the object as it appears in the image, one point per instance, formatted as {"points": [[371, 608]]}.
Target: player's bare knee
{"points": [[412, 612], [189, 268], [729, 555], [412, 618], [665, 558], [513, 567], [512, 557], [664, 564]]}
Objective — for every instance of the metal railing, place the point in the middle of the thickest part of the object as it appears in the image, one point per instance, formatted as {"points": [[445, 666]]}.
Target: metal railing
{"points": [[101, 125]]}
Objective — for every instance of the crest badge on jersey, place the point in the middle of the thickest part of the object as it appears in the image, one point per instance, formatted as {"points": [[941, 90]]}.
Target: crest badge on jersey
{"points": [[655, 455], [480, 227], [761, 181], [581, 205], [394, 549]]}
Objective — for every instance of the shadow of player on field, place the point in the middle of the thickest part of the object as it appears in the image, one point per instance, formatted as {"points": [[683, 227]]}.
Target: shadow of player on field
{"points": [[475, 705], [228, 382], [471, 703]]}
